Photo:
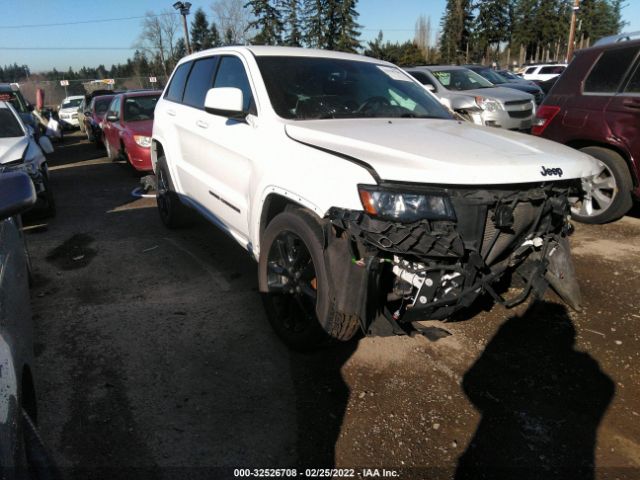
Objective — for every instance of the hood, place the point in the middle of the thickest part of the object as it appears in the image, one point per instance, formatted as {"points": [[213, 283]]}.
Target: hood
{"points": [[12, 148], [445, 151], [143, 127], [499, 93], [523, 87], [68, 110]]}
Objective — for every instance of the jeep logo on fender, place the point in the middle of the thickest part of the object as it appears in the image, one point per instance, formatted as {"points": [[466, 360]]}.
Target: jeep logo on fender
{"points": [[551, 172]]}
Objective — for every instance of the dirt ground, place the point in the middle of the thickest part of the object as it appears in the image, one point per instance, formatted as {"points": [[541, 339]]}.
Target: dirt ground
{"points": [[155, 360]]}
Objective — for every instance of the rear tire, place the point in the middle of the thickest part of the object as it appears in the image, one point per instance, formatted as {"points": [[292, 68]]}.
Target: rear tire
{"points": [[173, 213], [606, 197], [297, 284]]}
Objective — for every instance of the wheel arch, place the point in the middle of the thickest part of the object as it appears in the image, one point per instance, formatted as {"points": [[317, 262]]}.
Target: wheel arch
{"points": [[581, 143]]}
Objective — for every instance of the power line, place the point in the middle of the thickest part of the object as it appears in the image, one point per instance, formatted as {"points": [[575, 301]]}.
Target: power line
{"points": [[104, 20], [69, 48]]}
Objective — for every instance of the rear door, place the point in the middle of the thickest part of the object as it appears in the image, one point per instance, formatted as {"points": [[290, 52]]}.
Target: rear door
{"points": [[623, 113]]}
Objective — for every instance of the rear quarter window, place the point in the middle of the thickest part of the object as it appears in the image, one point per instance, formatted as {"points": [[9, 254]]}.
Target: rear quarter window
{"points": [[609, 71], [551, 70], [176, 87]]}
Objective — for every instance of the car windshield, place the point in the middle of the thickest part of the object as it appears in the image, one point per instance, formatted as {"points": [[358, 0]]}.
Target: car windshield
{"points": [[16, 99], [509, 75], [460, 79], [137, 109], [72, 103], [9, 126], [491, 75], [305, 88], [102, 105]]}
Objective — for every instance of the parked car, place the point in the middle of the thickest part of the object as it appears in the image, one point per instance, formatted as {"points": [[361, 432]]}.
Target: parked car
{"points": [[595, 107], [93, 116], [21, 450], [10, 92], [68, 111], [356, 191], [19, 151], [476, 98], [127, 127], [85, 104], [497, 79], [541, 73]]}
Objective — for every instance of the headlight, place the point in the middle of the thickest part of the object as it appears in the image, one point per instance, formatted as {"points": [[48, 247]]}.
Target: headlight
{"points": [[488, 104], [406, 206], [142, 140]]}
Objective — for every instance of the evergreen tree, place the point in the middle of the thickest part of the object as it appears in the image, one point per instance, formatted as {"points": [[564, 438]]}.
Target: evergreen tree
{"points": [[348, 28], [313, 22], [456, 31], [292, 23], [402, 54], [200, 33], [267, 21], [215, 35], [180, 50], [491, 25]]}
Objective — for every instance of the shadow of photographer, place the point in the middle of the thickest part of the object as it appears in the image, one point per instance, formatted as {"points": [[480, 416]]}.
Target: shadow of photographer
{"points": [[541, 402]]}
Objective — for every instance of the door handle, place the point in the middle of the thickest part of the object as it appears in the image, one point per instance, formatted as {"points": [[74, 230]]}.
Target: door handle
{"points": [[171, 113], [202, 124], [632, 104]]}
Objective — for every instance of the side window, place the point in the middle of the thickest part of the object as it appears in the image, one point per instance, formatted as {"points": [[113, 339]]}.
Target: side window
{"points": [[176, 87], [634, 84], [200, 80], [114, 109], [422, 78], [232, 74], [92, 105], [530, 70], [551, 70], [609, 71]]}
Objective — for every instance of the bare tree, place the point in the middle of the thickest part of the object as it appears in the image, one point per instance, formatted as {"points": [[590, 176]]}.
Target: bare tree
{"points": [[232, 18], [158, 38], [422, 36]]}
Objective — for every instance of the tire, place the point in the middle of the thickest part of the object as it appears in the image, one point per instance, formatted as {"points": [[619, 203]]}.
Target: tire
{"points": [[50, 203], [607, 196], [90, 135], [173, 213], [297, 286], [107, 146]]}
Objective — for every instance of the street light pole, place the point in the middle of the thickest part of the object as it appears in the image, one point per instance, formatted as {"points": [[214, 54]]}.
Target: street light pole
{"points": [[572, 30], [183, 8]]}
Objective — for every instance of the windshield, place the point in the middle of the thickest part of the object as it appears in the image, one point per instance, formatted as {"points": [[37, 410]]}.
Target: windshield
{"points": [[9, 126], [491, 75], [102, 105], [460, 79], [16, 99], [305, 88], [137, 109], [509, 75], [72, 103]]}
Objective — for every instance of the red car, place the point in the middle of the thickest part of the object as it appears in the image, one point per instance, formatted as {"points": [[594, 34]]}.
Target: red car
{"points": [[127, 127], [595, 107]]}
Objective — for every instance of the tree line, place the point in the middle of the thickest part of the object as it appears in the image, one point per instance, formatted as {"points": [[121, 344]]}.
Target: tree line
{"points": [[469, 31], [522, 30]]}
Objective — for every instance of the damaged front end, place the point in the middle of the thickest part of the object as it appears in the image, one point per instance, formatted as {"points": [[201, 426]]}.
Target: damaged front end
{"points": [[421, 253]]}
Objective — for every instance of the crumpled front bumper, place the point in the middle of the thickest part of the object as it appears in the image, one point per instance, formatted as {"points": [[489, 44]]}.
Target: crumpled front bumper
{"points": [[431, 269]]}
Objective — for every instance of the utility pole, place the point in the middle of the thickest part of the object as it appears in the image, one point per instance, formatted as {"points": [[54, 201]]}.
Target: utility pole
{"points": [[572, 30], [183, 8]]}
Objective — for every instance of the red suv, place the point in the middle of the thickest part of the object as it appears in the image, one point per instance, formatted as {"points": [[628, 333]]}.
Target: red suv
{"points": [[595, 107]]}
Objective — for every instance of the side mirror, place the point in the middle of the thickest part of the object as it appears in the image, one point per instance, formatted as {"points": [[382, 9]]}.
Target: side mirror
{"points": [[45, 144], [112, 118], [430, 87], [87, 113], [17, 194], [30, 108], [462, 103], [226, 102]]}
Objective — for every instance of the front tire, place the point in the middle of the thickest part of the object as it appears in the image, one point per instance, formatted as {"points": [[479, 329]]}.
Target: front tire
{"points": [[607, 196], [173, 213], [297, 286]]}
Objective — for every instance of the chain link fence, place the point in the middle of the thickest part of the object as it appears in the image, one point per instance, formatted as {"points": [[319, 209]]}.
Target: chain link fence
{"points": [[55, 92]]}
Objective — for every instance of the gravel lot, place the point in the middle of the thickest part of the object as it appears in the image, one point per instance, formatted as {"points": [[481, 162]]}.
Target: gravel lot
{"points": [[154, 354]]}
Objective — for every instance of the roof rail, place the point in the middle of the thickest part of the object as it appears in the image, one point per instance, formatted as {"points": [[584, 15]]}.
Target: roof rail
{"points": [[624, 37]]}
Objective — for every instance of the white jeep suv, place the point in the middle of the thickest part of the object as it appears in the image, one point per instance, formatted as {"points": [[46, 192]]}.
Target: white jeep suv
{"points": [[364, 203]]}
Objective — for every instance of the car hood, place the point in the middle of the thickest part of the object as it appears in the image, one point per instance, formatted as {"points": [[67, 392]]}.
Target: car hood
{"points": [[143, 127], [444, 151], [68, 110], [499, 93], [12, 149], [523, 87]]}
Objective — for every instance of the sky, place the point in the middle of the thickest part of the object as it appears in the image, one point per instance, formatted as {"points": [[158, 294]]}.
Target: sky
{"points": [[64, 46]]}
